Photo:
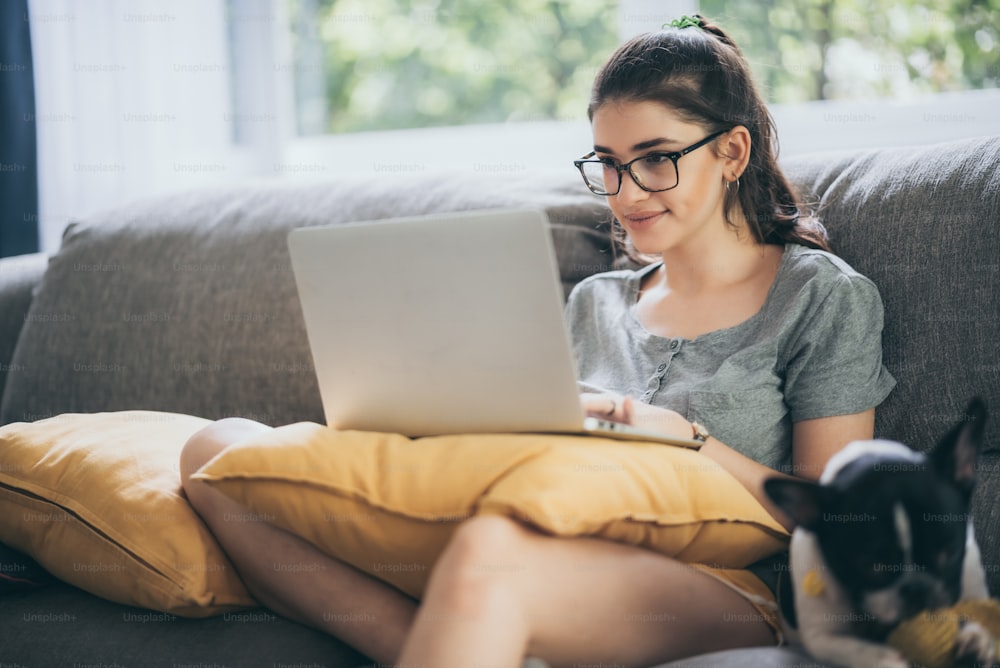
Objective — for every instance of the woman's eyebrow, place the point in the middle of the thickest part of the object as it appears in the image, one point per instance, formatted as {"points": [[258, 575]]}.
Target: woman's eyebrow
{"points": [[641, 146]]}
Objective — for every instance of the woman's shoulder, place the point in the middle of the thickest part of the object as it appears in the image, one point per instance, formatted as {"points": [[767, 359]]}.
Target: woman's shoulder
{"points": [[813, 282], [818, 262], [820, 269]]}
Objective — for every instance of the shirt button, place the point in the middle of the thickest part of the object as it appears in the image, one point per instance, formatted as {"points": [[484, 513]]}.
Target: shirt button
{"points": [[660, 368], [674, 345]]}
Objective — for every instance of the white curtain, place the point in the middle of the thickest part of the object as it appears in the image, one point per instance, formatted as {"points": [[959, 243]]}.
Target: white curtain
{"points": [[133, 98]]}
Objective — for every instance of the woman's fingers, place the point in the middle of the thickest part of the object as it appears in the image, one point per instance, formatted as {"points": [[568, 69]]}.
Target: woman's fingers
{"points": [[628, 409], [608, 406]]}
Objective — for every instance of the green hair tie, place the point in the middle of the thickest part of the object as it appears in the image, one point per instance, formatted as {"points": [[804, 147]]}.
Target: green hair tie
{"points": [[683, 22]]}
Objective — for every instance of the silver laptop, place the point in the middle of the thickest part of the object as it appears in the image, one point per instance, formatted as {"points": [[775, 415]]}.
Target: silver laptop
{"points": [[443, 324]]}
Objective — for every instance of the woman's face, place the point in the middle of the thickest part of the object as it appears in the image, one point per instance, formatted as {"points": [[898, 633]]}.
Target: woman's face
{"points": [[658, 222]]}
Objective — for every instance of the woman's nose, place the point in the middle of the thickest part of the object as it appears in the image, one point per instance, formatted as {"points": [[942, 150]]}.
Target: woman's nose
{"points": [[630, 191]]}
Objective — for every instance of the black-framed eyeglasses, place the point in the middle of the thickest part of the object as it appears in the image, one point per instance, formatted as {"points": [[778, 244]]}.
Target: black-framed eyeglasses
{"points": [[653, 172]]}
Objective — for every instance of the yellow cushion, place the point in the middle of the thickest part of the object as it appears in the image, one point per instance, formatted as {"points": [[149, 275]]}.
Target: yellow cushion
{"points": [[96, 500], [388, 504]]}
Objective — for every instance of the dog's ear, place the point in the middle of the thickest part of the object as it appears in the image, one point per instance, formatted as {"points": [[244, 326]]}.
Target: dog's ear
{"points": [[955, 456], [803, 501]]}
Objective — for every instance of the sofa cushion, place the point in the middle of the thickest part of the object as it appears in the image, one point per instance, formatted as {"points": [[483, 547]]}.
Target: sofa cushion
{"points": [[388, 505], [187, 303], [771, 657], [97, 501], [60, 626], [922, 223]]}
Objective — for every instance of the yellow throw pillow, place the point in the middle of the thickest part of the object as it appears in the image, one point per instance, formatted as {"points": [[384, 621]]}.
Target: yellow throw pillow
{"points": [[96, 500], [388, 504]]}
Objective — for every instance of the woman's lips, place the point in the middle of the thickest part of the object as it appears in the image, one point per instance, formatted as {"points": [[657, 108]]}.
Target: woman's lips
{"points": [[644, 219]]}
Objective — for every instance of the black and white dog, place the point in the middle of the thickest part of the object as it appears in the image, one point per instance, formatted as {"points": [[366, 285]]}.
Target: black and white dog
{"points": [[886, 534]]}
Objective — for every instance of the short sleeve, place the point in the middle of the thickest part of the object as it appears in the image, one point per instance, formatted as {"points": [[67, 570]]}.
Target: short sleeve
{"points": [[835, 363]]}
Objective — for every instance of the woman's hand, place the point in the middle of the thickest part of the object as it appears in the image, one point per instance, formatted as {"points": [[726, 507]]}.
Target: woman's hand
{"points": [[607, 406], [627, 410]]}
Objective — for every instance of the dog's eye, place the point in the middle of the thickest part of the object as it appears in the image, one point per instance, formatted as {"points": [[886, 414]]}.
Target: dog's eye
{"points": [[946, 558], [876, 572]]}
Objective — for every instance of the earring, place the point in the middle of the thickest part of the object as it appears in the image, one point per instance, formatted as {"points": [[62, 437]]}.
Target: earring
{"points": [[729, 184]]}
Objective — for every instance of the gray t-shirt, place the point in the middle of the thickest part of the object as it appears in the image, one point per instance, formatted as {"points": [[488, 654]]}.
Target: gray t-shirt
{"points": [[813, 350]]}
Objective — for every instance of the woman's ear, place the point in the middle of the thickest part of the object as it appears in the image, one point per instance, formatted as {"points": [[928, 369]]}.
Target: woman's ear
{"points": [[734, 148]]}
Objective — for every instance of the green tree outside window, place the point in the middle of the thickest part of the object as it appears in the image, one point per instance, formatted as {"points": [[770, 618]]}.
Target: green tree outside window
{"points": [[402, 64], [391, 64], [849, 49]]}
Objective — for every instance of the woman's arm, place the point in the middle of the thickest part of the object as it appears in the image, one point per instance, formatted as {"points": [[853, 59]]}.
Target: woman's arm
{"points": [[813, 441]]}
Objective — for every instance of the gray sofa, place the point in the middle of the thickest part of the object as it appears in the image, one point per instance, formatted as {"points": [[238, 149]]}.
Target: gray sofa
{"points": [[187, 303]]}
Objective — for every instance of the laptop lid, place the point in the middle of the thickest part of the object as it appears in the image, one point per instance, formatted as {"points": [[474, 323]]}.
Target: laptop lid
{"points": [[438, 324]]}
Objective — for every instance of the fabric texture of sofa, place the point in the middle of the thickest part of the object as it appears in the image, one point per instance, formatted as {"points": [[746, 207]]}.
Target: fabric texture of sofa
{"points": [[187, 304]]}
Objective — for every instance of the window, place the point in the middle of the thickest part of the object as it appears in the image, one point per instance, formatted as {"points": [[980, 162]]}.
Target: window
{"points": [[430, 63], [804, 50], [409, 63]]}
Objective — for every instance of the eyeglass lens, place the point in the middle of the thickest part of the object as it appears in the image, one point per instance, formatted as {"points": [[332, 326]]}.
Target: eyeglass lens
{"points": [[652, 172]]}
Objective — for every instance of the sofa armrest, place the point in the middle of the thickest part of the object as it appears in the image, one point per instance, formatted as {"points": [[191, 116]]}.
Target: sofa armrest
{"points": [[18, 277]]}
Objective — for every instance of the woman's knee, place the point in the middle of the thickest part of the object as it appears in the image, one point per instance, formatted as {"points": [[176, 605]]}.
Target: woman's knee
{"points": [[212, 439], [486, 539], [479, 561]]}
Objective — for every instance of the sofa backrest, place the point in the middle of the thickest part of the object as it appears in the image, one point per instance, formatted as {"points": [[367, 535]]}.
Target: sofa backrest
{"points": [[187, 303]]}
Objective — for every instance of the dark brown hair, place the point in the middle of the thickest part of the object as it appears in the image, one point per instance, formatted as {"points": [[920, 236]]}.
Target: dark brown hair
{"points": [[702, 75]]}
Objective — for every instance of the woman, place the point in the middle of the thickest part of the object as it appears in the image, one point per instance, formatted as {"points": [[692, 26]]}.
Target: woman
{"points": [[745, 332]]}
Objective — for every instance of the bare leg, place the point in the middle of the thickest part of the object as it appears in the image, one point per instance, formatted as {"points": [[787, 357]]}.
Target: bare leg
{"points": [[501, 591], [287, 574]]}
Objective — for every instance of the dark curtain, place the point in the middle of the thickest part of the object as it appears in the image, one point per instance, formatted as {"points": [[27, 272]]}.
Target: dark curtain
{"points": [[18, 145]]}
